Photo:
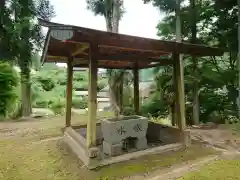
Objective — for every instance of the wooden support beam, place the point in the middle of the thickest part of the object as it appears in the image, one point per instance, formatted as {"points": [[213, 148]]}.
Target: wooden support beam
{"points": [[69, 92], [104, 67], [126, 57], [124, 49], [129, 57], [123, 58], [80, 50], [92, 97], [136, 89], [180, 99]]}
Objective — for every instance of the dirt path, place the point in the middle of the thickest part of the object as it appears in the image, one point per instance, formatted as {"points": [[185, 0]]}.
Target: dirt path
{"points": [[182, 169], [218, 138], [29, 126]]}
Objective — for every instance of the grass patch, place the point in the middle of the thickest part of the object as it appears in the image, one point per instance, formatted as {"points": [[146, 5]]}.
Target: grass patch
{"points": [[150, 163], [22, 159], [161, 120], [22, 156], [235, 127], [43, 128], [222, 169]]}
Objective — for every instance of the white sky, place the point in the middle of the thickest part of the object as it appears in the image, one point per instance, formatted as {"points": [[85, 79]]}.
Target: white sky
{"points": [[139, 19]]}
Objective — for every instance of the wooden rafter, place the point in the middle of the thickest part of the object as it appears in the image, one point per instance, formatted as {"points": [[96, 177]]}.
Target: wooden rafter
{"points": [[80, 50]]}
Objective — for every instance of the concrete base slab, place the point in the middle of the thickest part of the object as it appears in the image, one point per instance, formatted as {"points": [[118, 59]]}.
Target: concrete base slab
{"points": [[134, 155], [112, 149], [96, 157], [92, 163], [141, 143]]}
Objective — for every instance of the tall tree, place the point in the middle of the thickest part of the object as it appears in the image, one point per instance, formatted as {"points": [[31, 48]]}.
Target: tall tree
{"points": [[7, 33], [238, 64], [193, 14], [172, 6], [112, 10], [29, 39], [216, 22]]}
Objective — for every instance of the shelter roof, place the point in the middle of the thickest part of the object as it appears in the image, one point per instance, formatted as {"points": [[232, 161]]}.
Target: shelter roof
{"points": [[113, 50]]}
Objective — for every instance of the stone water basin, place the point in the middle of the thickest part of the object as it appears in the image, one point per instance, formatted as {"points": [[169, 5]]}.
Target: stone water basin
{"points": [[115, 130]]}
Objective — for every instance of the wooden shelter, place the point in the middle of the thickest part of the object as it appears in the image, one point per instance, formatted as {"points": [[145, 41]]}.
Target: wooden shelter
{"points": [[83, 47]]}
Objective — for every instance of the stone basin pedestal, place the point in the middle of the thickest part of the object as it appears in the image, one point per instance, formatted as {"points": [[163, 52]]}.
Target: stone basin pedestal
{"points": [[117, 131]]}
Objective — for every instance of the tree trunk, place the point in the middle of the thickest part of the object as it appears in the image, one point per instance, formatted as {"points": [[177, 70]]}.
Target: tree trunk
{"points": [[113, 94], [178, 39], [238, 60], [115, 26], [26, 93], [2, 5], [112, 24], [178, 21], [195, 63], [121, 96], [108, 24], [25, 63], [109, 27], [116, 16]]}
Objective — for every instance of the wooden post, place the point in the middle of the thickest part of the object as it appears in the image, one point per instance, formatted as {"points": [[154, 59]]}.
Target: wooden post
{"points": [[69, 92], [136, 89], [92, 97], [180, 100]]}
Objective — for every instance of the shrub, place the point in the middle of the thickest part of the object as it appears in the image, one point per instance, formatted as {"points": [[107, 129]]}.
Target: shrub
{"points": [[47, 83], [154, 107], [9, 81], [101, 85], [37, 91], [41, 103], [127, 111], [80, 85], [79, 103], [59, 91], [15, 110], [80, 76], [232, 120], [57, 106]]}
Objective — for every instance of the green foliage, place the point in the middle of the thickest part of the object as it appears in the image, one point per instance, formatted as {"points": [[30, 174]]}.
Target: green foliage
{"points": [[8, 94], [49, 88], [47, 83], [127, 111], [154, 106], [21, 37], [164, 5], [103, 7], [102, 84], [80, 85], [79, 103], [217, 76], [57, 105], [80, 76]]}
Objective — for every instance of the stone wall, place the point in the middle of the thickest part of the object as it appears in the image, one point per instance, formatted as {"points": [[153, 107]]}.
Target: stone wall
{"points": [[167, 134]]}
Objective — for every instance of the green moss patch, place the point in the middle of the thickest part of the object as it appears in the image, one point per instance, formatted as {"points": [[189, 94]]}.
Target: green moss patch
{"points": [[49, 160], [23, 156], [222, 169], [150, 163]]}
